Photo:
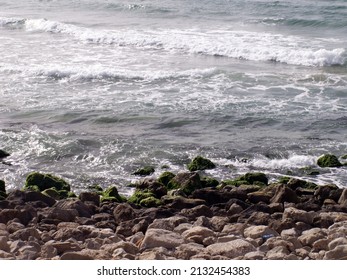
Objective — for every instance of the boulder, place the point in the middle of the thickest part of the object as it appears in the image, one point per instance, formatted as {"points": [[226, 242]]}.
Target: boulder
{"points": [[197, 234], [298, 215], [3, 154], [328, 160], [144, 171], [284, 194], [124, 212], [161, 238], [260, 231], [338, 253], [165, 177], [45, 181], [185, 181], [232, 249], [200, 163]]}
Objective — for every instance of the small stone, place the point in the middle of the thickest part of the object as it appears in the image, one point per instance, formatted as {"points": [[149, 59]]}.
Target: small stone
{"points": [[259, 231], [3, 244], [336, 242]]}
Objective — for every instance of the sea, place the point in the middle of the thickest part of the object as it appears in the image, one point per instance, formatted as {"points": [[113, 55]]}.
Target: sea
{"points": [[92, 90]]}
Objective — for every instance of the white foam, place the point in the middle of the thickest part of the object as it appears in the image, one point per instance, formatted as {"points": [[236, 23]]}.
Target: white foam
{"points": [[255, 46]]}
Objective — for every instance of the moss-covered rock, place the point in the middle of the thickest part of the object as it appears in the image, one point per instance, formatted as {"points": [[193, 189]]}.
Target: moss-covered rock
{"points": [[200, 163], [145, 171], [185, 181], [344, 157], [209, 182], [256, 178], [150, 202], [139, 195], [165, 177], [3, 154], [328, 160], [284, 179], [45, 181], [111, 194], [52, 192]]}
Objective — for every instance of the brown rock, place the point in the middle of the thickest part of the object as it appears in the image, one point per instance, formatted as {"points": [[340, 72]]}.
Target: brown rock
{"points": [[298, 215], [124, 212], [90, 197], [284, 194], [3, 244], [338, 253], [75, 256], [231, 249], [197, 211], [197, 234], [255, 232], [308, 237], [25, 234], [161, 238], [343, 198], [168, 223]]}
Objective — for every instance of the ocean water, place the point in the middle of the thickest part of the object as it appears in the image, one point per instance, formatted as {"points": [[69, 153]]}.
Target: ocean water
{"points": [[90, 90]]}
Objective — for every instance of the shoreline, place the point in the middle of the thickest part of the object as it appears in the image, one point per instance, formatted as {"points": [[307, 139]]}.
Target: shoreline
{"points": [[175, 216]]}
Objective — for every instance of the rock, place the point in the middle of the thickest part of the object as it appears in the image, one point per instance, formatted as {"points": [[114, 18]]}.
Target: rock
{"points": [[128, 247], [3, 154], [63, 247], [277, 253], [64, 234], [48, 252], [234, 229], [161, 238], [200, 163], [284, 194], [3, 244], [289, 233], [124, 212], [254, 178], [6, 256], [328, 160], [14, 226], [186, 251], [111, 194], [320, 244], [336, 242], [25, 234], [168, 223], [90, 197], [259, 196], [165, 178], [298, 215], [338, 253], [255, 255], [197, 211], [197, 234], [75, 256], [208, 182], [231, 249], [343, 197], [185, 181], [234, 209], [150, 185], [325, 192], [46, 181], [64, 215], [297, 184], [145, 171], [179, 202], [255, 232], [308, 237]]}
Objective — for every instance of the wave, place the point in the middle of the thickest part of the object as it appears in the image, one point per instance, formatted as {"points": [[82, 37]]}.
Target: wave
{"points": [[244, 45], [79, 73]]}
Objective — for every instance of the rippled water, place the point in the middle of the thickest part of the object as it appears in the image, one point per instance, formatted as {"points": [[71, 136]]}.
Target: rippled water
{"points": [[92, 90]]}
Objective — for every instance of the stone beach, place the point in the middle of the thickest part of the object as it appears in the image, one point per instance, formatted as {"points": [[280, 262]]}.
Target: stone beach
{"points": [[175, 216]]}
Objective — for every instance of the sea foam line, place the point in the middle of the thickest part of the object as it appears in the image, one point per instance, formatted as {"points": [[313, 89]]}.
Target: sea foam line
{"points": [[254, 46]]}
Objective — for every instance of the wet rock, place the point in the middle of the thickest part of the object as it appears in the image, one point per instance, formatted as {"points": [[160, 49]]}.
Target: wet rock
{"points": [[328, 160], [3, 154], [144, 171], [186, 182], [45, 181], [200, 163]]}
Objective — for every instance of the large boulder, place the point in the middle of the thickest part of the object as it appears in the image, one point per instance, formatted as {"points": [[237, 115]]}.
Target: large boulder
{"points": [[232, 249], [200, 163], [185, 181], [329, 160], [161, 238], [45, 181]]}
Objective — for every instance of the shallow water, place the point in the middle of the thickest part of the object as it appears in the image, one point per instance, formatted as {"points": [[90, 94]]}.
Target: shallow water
{"points": [[92, 90]]}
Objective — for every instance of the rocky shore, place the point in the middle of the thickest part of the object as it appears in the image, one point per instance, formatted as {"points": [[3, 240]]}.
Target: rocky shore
{"points": [[175, 216]]}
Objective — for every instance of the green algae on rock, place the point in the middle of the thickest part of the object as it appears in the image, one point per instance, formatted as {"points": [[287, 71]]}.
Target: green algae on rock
{"points": [[45, 181], [111, 194], [186, 182], [200, 163], [165, 177], [328, 160], [145, 171]]}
